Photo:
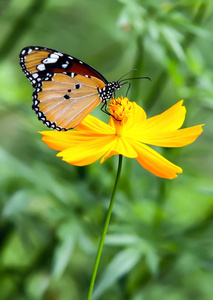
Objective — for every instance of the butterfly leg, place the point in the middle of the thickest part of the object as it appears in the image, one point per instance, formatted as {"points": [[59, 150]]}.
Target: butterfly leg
{"points": [[129, 85], [104, 109]]}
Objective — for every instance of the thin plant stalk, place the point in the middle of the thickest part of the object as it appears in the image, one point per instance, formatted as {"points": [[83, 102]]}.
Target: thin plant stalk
{"points": [[106, 224]]}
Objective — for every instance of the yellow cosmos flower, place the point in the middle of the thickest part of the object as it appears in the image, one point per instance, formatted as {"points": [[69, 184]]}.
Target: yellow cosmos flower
{"points": [[128, 133]]}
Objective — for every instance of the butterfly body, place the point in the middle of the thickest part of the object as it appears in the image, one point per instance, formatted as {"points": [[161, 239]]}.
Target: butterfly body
{"points": [[65, 88]]}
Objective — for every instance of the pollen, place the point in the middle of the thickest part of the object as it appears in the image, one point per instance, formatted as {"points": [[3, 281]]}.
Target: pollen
{"points": [[120, 108]]}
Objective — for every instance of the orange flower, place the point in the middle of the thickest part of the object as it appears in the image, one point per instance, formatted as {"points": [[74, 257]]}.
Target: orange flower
{"points": [[128, 132]]}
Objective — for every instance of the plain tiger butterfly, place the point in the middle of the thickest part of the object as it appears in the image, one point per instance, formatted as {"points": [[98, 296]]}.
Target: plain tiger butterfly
{"points": [[66, 89]]}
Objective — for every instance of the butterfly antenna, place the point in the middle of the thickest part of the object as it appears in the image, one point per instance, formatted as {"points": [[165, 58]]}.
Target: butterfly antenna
{"points": [[134, 70], [135, 78]]}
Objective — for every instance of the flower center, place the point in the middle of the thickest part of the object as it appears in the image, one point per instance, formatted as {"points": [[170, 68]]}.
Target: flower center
{"points": [[120, 109]]}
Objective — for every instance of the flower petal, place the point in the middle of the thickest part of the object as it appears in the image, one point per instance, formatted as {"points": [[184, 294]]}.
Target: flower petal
{"points": [[120, 146], [93, 124], [137, 116], [88, 129], [177, 138], [170, 120], [155, 163], [58, 140], [87, 152]]}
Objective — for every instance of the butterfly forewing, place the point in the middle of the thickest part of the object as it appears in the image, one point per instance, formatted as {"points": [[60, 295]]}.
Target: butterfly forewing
{"points": [[41, 61]]}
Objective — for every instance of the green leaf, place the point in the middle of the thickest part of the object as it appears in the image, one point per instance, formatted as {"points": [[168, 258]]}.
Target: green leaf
{"points": [[17, 202], [63, 252], [122, 263]]}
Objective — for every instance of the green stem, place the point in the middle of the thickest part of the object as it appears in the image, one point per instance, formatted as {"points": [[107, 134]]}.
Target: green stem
{"points": [[106, 224]]}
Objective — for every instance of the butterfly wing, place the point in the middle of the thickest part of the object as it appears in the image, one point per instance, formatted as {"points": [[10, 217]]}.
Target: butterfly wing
{"points": [[66, 89], [37, 62], [64, 101]]}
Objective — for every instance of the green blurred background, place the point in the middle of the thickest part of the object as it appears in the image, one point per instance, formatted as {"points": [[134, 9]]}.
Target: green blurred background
{"points": [[160, 240]]}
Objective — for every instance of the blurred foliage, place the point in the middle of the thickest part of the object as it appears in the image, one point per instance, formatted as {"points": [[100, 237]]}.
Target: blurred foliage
{"points": [[159, 242]]}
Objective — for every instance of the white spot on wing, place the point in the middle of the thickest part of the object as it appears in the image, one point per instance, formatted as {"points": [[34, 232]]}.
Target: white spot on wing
{"points": [[65, 65], [41, 67], [59, 53], [50, 60], [35, 75], [55, 56]]}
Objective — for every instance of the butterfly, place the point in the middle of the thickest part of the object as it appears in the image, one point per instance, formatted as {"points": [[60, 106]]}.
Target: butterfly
{"points": [[66, 89]]}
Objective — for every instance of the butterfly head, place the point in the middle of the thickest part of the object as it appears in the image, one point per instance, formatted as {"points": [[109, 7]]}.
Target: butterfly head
{"points": [[108, 91]]}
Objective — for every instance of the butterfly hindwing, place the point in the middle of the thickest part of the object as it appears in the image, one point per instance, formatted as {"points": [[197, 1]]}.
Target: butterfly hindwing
{"points": [[65, 99]]}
